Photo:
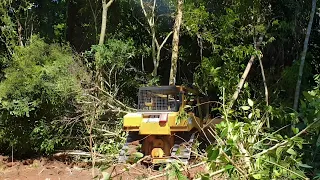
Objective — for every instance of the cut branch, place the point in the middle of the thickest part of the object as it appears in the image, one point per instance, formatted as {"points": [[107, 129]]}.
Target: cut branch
{"points": [[180, 169], [214, 173], [117, 101], [76, 153], [286, 141], [265, 87], [234, 164], [282, 167], [131, 166]]}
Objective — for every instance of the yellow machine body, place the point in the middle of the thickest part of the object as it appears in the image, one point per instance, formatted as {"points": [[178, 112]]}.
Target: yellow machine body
{"points": [[139, 121], [135, 122]]}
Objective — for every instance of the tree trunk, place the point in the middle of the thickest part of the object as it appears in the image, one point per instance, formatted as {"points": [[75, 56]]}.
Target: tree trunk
{"points": [[20, 33], [175, 44], [105, 7], [303, 56], [265, 88], [159, 47], [154, 58], [264, 81], [152, 33]]}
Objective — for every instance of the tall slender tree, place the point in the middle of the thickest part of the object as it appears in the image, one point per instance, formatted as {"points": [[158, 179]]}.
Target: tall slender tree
{"points": [[155, 46], [105, 7], [175, 44], [303, 55]]}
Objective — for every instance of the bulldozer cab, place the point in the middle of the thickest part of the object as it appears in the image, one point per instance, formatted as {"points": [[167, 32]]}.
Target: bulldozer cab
{"points": [[173, 99], [159, 99]]}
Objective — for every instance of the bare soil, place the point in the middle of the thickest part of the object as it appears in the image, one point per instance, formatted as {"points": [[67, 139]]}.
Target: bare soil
{"points": [[42, 169], [45, 169]]}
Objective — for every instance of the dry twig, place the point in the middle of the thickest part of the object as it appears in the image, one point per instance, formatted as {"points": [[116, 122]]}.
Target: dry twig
{"points": [[165, 173], [214, 173], [131, 166]]}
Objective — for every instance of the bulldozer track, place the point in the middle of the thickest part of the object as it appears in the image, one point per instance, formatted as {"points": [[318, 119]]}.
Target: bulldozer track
{"points": [[181, 150], [133, 142]]}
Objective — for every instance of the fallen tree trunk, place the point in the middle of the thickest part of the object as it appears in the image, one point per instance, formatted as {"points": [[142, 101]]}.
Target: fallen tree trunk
{"points": [[245, 74]]}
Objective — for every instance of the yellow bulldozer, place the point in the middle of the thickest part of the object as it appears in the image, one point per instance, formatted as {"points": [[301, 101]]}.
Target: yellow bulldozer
{"points": [[166, 123]]}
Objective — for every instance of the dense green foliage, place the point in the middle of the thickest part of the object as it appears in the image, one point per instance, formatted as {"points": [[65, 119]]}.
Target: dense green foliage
{"points": [[38, 88], [60, 90]]}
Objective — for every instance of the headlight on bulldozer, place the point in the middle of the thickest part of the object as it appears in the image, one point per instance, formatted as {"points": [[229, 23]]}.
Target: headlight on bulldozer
{"points": [[157, 153]]}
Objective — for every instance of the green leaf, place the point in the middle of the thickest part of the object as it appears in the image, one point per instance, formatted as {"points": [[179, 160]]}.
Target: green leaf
{"points": [[279, 152], [245, 108], [246, 85], [137, 155], [307, 96], [275, 22], [318, 141], [250, 116], [305, 166], [278, 136], [257, 176], [299, 145], [250, 102], [258, 113], [228, 167], [178, 152], [209, 148], [291, 151], [213, 154], [224, 132], [295, 130], [276, 172], [205, 177], [106, 176], [303, 104], [230, 142]]}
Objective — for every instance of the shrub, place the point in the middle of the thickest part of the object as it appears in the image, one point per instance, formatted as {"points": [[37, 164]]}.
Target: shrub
{"points": [[39, 87]]}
